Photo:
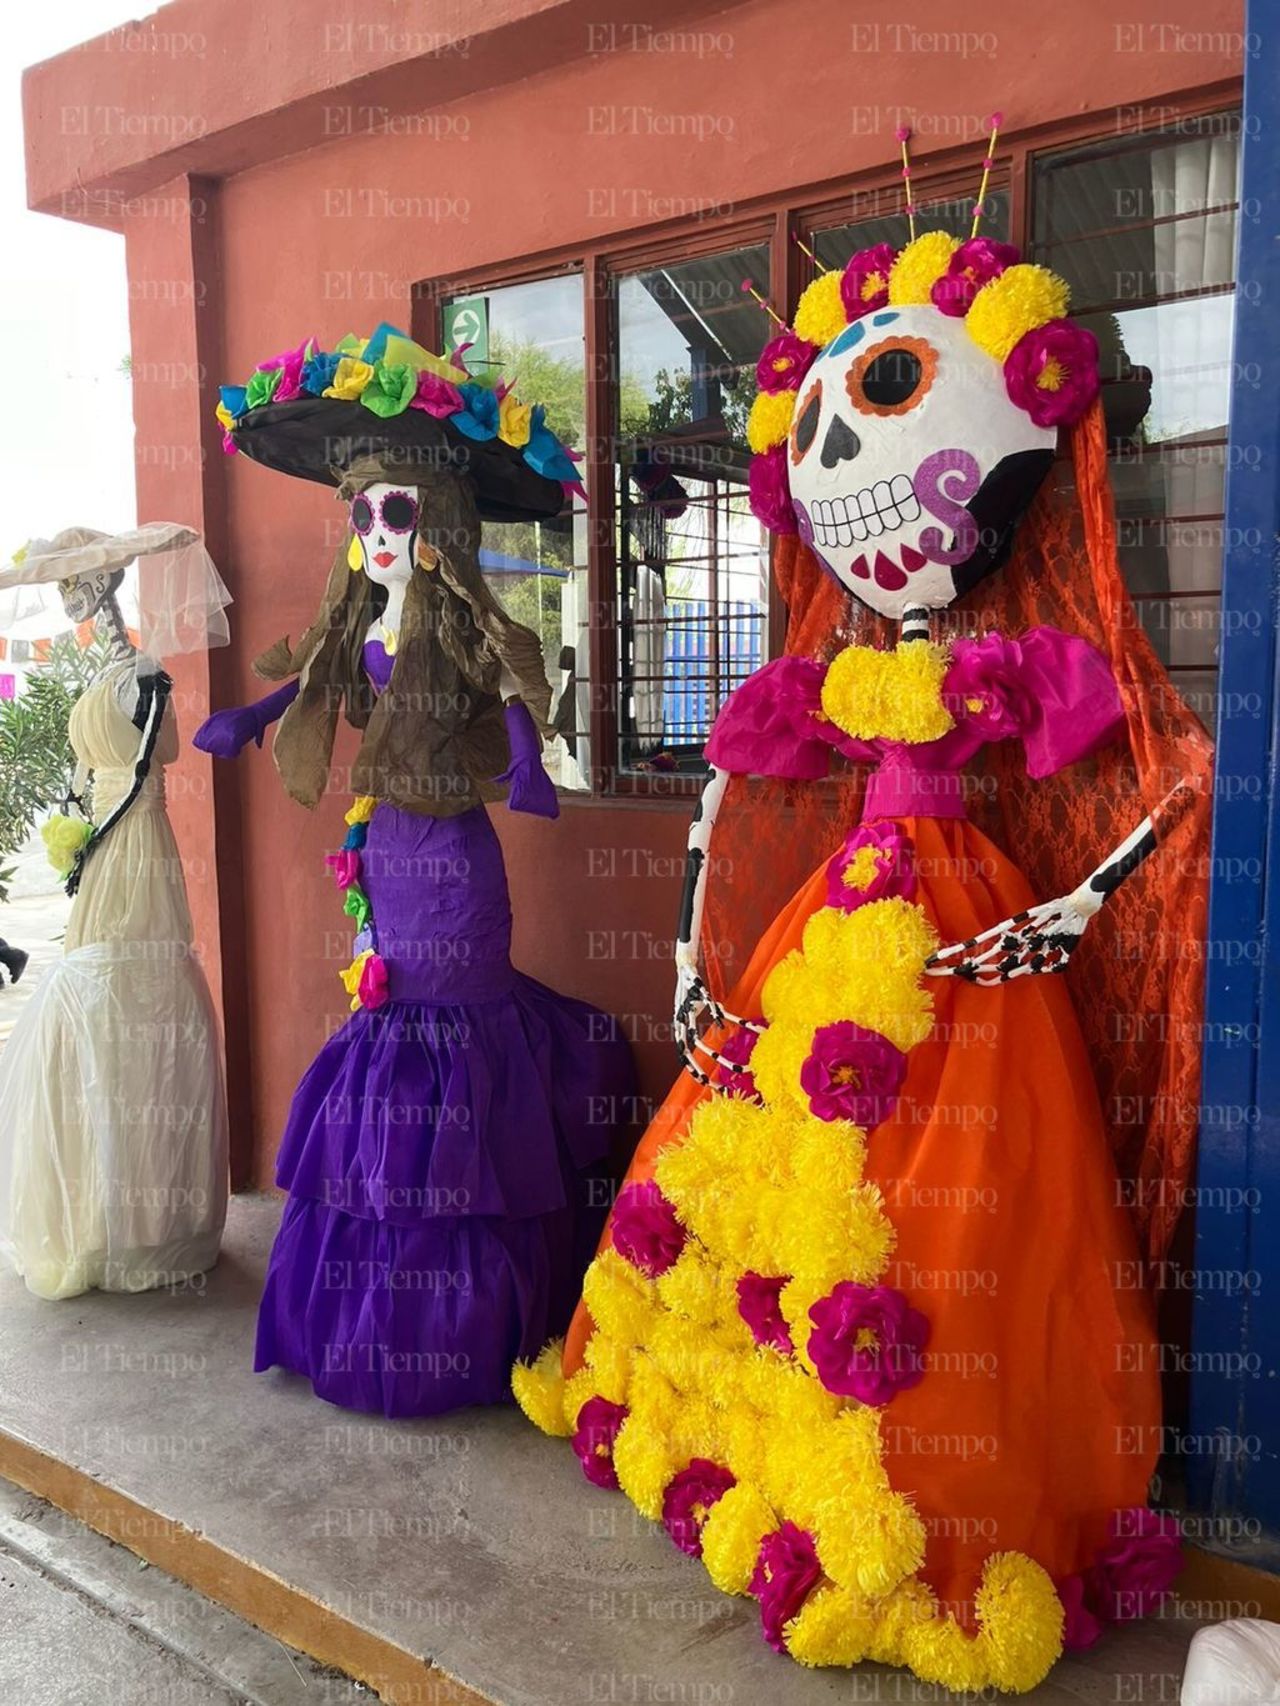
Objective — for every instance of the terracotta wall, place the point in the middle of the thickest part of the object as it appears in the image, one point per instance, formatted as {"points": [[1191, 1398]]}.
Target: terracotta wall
{"points": [[330, 239]]}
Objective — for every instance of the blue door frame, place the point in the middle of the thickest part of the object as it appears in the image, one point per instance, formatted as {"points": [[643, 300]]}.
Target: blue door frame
{"points": [[1233, 1452]]}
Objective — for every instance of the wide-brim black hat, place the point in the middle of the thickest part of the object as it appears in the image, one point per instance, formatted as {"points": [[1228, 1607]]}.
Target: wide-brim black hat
{"points": [[319, 438]]}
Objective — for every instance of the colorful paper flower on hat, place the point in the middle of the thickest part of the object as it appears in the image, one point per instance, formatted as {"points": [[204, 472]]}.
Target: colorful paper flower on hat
{"points": [[480, 413], [768, 492], [515, 420], [867, 1342], [852, 1073], [759, 1307], [349, 379], [975, 263], [876, 862], [390, 389], [983, 686], [262, 387], [1052, 373], [436, 396], [783, 362], [689, 1500], [645, 1229], [786, 1572], [864, 284], [599, 1423], [290, 364]]}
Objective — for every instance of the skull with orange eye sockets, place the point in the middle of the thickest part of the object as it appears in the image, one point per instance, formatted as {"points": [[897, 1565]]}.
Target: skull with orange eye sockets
{"points": [[909, 467]]}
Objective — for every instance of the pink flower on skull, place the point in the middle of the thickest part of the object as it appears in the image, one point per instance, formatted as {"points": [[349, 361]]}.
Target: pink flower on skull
{"points": [[768, 492], [864, 284], [783, 362], [975, 263], [1052, 373]]}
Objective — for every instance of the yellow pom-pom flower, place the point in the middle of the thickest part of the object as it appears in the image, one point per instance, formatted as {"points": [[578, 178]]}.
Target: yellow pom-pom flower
{"points": [[833, 1627], [770, 419], [731, 1536], [820, 313], [1008, 307], [643, 1464], [1021, 1620], [919, 267], [888, 695], [539, 1388]]}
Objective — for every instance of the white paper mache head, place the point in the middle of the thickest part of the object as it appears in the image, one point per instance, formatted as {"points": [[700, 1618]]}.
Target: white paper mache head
{"points": [[384, 518]]}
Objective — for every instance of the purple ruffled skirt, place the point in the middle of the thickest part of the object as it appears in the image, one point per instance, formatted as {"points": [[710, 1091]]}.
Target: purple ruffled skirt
{"points": [[446, 1156]]}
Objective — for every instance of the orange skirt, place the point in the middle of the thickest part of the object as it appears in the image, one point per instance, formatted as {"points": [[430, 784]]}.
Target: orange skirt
{"points": [[1039, 1413]]}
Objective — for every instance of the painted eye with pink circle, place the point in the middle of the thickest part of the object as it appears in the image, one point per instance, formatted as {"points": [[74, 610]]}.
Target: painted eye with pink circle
{"points": [[399, 512], [361, 514]]}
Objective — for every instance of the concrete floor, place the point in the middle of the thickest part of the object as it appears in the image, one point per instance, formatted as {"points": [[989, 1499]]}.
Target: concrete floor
{"points": [[84, 1623], [473, 1540]]}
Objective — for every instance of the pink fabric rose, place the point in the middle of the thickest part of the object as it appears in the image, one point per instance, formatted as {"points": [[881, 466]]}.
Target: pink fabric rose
{"points": [[737, 1049], [689, 1500], [867, 1342], [975, 263], [290, 363], [787, 1569], [983, 686], [373, 991], [1052, 373], [768, 492], [852, 1074], [877, 862], [436, 396], [864, 284], [599, 1422], [345, 865], [783, 362], [1135, 1571], [645, 1230], [1082, 1626], [759, 1307]]}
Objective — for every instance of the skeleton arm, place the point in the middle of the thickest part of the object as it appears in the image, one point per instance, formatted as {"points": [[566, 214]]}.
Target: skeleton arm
{"points": [[1042, 938]]}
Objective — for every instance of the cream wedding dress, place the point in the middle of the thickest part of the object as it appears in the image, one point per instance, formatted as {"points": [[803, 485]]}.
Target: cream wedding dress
{"points": [[113, 1126]]}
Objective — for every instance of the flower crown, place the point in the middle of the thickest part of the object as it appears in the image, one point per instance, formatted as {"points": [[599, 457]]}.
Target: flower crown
{"points": [[1015, 311], [389, 373]]}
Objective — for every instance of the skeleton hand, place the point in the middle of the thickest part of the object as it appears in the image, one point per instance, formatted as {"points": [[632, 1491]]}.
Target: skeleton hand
{"points": [[1041, 939]]}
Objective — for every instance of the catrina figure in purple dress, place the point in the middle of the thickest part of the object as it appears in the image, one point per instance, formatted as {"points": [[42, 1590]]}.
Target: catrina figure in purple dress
{"points": [[446, 1152]]}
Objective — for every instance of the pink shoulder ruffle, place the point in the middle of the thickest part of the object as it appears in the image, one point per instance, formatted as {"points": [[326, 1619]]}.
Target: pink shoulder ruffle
{"points": [[1053, 691], [773, 725]]}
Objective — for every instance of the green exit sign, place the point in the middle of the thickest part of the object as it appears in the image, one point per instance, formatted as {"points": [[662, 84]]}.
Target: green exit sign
{"points": [[466, 321]]}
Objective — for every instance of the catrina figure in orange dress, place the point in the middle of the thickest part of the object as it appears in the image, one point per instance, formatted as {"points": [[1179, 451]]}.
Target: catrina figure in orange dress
{"points": [[868, 1332]]}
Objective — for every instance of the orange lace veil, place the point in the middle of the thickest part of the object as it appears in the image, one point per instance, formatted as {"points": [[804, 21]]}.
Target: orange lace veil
{"points": [[1138, 974]]}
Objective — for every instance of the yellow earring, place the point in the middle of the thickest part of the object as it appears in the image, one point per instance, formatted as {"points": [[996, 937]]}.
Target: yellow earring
{"points": [[355, 556]]}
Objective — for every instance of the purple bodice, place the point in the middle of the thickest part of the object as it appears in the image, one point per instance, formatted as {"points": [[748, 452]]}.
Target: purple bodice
{"points": [[1052, 691]]}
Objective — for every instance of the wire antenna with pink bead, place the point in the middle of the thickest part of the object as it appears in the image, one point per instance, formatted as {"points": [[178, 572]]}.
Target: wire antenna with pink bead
{"points": [[750, 290], [903, 134], [995, 121]]}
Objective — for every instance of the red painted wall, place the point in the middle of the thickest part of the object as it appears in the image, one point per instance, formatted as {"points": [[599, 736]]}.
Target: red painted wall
{"points": [[612, 132]]}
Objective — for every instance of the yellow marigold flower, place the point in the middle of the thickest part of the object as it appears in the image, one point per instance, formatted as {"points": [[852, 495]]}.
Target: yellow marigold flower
{"points": [[870, 1542], [833, 1627], [618, 1297], [610, 1363], [731, 1535], [349, 379], [820, 313], [888, 695], [909, 1606], [1021, 1621], [1008, 307], [362, 808], [691, 1286], [939, 1651], [644, 1465], [539, 1387], [919, 267], [770, 419]]}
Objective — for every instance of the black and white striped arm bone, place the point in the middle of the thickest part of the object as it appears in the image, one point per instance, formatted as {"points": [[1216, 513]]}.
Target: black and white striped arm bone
{"points": [[1042, 938], [696, 1006]]}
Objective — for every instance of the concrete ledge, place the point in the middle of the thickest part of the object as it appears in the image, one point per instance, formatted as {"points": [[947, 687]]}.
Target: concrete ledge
{"points": [[447, 1563]]}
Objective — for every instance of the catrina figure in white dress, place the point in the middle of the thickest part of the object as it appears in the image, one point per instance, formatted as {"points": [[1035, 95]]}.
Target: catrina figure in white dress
{"points": [[113, 1145]]}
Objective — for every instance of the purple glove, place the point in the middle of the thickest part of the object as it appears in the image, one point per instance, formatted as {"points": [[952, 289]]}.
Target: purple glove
{"points": [[226, 732], [530, 788]]}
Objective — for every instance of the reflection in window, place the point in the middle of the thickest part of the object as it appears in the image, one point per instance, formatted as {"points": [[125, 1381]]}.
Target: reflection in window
{"points": [[692, 560], [532, 335], [1144, 231]]}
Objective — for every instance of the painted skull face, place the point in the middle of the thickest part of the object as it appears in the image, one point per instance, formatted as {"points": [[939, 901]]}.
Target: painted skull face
{"points": [[908, 464], [84, 595], [384, 519]]}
